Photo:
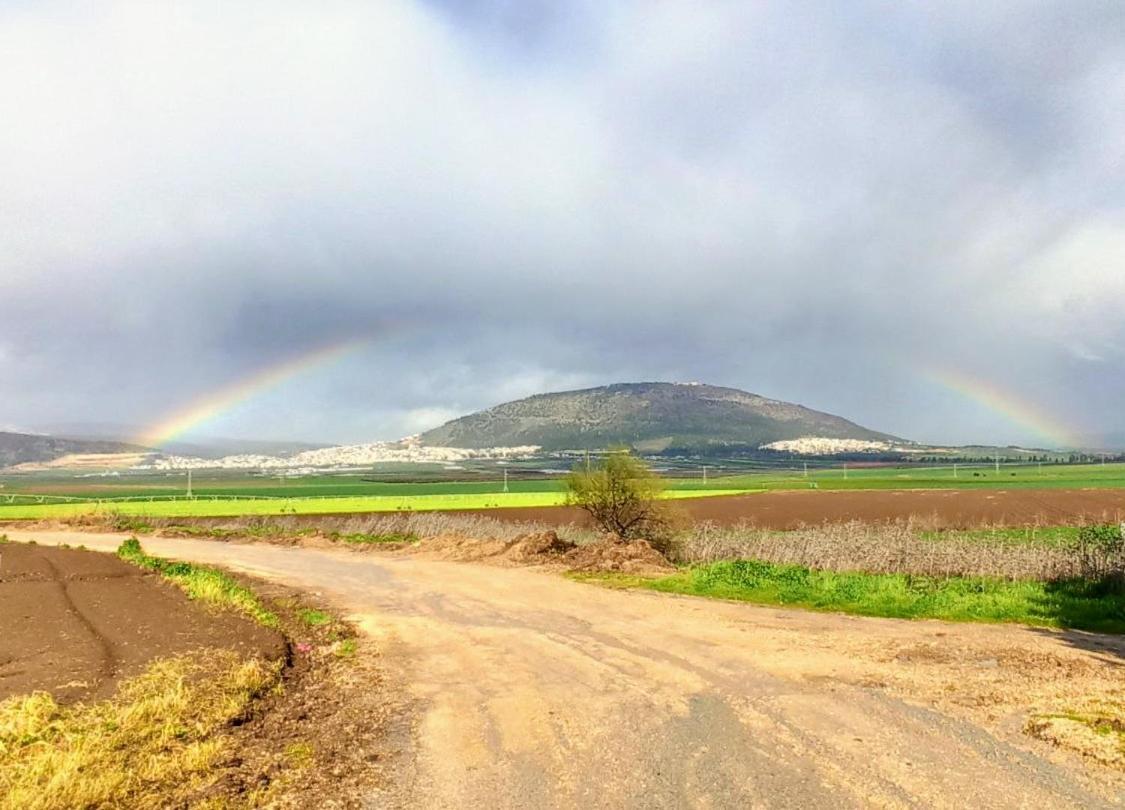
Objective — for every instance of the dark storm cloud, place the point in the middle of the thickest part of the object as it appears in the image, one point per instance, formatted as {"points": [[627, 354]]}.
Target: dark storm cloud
{"points": [[812, 202]]}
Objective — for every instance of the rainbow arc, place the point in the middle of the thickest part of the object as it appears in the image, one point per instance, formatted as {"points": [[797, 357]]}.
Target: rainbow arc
{"points": [[1017, 409], [216, 403]]}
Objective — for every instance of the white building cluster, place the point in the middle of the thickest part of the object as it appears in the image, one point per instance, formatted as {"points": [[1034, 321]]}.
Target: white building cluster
{"points": [[821, 446], [346, 456]]}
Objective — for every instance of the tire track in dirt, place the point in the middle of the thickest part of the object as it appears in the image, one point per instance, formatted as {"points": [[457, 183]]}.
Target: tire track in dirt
{"points": [[107, 670], [76, 622]]}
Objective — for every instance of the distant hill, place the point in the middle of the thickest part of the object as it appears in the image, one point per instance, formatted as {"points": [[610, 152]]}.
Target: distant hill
{"points": [[651, 417], [199, 447], [22, 448]]}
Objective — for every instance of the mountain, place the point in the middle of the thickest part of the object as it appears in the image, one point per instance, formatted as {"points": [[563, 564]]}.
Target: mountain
{"points": [[22, 448], [651, 417]]}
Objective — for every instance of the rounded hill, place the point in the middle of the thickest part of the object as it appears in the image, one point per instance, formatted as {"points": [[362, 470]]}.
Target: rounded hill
{"points": [[650, 417]]}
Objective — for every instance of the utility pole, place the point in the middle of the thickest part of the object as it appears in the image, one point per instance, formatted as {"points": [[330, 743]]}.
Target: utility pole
{"points": [[996, 458], [505, 479], [189, 483], [704, 473]]}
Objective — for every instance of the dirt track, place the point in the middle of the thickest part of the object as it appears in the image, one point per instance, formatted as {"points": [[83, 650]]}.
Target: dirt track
{"points": [[943, 508], [534, 691], [73, 623]]}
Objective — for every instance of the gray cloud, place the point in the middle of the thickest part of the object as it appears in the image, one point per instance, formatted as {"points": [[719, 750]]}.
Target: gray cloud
{"points": [[814, 203]]}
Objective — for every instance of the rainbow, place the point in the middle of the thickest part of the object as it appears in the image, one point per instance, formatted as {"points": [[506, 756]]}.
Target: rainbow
{"points": [[216, 403], [1018, 410]]}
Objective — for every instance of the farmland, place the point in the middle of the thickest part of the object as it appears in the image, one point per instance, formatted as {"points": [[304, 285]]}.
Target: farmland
{"points": [[978, 476], [218, 494], [25, 508]]}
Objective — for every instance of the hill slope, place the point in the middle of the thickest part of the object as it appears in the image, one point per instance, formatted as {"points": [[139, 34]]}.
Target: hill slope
{"points": [[21, 448], [647, 416]]}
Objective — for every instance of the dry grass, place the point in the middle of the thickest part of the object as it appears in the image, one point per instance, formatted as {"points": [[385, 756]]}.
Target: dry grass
{"points": [[912, 546], [896, 548], [1094, 728], [158, 738], [419, 524]]}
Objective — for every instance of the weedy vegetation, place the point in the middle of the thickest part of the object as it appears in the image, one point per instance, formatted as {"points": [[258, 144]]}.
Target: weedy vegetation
{"points": [[911, 547], [313, 617], [207, 585], [375, 538]]}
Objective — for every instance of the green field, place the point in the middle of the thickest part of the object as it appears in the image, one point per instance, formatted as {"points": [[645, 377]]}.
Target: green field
{"points": [[235, 506], [230, 494], [979, 476], [449, 482]]}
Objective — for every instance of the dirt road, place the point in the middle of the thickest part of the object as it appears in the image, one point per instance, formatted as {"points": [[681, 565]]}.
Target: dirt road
{"points": [[529, 690]]}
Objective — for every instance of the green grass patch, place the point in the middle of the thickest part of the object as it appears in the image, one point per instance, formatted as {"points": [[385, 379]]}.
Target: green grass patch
{"points": [[1077, 604], [363, 538], [207, 585], [313, 617], [1047, 536]]}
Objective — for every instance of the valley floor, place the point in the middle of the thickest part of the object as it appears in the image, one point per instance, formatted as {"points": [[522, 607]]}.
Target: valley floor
{"points": [[531, 690]]}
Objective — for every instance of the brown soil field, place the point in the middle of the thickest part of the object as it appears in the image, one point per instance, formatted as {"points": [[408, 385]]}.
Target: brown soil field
{"points": [[75, 622], [954, 509]]}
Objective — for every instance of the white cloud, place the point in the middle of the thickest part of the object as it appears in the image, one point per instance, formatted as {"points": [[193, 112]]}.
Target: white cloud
{"points": [[419, 420], [764, 195]]}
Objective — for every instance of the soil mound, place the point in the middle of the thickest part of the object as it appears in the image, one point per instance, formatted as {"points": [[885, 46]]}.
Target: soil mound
{"points": [[612, 553], [608, 554], [539, 548], [74, 623]]}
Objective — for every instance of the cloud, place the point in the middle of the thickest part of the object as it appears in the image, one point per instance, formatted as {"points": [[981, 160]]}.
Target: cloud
{"points": [[803, 200]]}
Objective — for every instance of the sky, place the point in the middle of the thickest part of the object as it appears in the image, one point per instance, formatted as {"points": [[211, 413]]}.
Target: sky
{"points": [[911, 215]]}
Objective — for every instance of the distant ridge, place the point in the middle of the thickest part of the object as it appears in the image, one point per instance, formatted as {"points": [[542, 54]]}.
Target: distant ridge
{"points": [[650, 417], [26, 448]]}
